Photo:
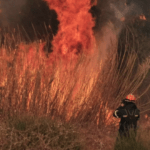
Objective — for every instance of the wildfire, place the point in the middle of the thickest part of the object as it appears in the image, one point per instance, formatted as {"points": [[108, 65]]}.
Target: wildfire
{"points": [[45, 87], [75, 33]]}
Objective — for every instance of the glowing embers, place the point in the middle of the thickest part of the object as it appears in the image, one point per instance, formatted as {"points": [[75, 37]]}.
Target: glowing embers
{"points": [[142, 17]]}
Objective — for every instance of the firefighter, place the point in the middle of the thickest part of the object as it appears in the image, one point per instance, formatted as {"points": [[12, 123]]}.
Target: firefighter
{"points": [[129, 115]]}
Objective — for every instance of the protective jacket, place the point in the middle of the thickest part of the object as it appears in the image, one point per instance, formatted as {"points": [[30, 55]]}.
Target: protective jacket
{"points": [[129, 114]]}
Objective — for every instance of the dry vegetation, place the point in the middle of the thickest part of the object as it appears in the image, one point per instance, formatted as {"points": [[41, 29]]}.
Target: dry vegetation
{"points": [[46, 105]]}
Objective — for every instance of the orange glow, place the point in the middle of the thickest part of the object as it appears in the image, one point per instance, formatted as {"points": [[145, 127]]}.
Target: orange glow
{"points": [[142, 17], [146, 116], [123, 19]]}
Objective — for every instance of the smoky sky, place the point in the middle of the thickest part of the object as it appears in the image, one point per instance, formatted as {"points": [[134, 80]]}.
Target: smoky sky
{"points": [[34, 20], [115, 10], [31, 18], [10, 11]]}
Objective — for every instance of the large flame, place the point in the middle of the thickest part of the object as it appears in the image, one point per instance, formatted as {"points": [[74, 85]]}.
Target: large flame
{"points": [[75, 33]]}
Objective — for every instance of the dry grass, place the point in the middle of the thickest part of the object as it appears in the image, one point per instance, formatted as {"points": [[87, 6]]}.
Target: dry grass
{"points": [[84, 91], [38, 133]]}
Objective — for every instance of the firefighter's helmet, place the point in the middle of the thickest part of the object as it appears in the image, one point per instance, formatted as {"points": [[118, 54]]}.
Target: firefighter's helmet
{"points": [[131, 97]]}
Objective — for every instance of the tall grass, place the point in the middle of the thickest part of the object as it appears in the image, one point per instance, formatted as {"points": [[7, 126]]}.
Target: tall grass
{"points": [[84, 90], [138, 142]]}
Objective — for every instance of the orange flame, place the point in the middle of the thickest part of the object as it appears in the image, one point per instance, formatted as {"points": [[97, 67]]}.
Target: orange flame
{"points": [[75, 33]]}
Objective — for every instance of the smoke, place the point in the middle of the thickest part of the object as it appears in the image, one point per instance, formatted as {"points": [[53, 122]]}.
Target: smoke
{"points": [[125, 9], [10, 11], [31, 20], [119, 13], [113, 16]]}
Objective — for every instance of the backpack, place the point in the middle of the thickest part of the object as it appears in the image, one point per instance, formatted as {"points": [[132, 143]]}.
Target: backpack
{"points": [[131, 117]]}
